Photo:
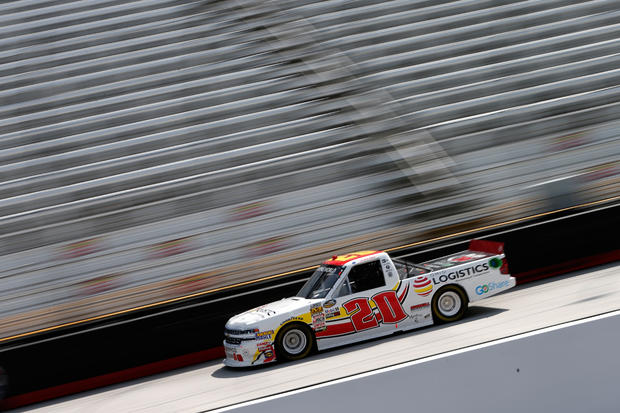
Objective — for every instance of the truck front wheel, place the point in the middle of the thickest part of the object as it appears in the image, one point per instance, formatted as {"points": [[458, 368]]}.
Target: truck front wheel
{"points": [[449, 304], [294, 342]]}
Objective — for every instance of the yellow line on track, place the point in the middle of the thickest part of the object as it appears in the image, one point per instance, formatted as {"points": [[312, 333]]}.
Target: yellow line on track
{"points": [[272, 277]]}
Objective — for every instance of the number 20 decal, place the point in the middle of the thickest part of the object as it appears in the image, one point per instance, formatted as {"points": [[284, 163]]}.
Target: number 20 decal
{"points": [[362, 316]]}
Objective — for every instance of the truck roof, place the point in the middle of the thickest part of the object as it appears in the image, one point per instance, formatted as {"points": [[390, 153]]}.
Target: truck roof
{"points": [[343, 259]]}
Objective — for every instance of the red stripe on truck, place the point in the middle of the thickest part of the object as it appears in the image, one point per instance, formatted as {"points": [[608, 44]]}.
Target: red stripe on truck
{"points": [[337, 329]]}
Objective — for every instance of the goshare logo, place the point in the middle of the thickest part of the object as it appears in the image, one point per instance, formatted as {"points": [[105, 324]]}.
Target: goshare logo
{"points": [[483, 289], [422, 286]]}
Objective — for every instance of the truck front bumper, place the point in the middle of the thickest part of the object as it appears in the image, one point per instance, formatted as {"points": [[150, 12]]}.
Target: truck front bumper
{"points": [[248, 353]]}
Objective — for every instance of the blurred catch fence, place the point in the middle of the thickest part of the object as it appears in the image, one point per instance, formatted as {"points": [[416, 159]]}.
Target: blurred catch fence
{"points": [[151, 149]]}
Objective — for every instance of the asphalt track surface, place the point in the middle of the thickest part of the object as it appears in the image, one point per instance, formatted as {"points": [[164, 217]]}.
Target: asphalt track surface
{"points": [[210, 385]]}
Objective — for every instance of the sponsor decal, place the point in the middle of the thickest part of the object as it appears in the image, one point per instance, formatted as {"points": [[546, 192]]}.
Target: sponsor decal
{"points": [[270, 355], [230, 353], [422, 286], [80, 248], [315, 311], [466, 257], [318, 317], [263, 335], [264, 352], [492, 286], [495, 262], [419, 318], [265, 311], [332, 312], [418, 306], [318, 321], [297, 318], [250, 210], [172, 247], [461, 274]]}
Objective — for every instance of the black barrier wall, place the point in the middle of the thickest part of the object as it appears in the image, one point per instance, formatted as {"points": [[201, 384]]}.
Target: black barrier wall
{"points": [[534, 249]]}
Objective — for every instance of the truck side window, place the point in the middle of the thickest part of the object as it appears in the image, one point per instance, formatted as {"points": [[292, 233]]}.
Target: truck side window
{"points": [[402, 269], [344, 289], [366, 277]]}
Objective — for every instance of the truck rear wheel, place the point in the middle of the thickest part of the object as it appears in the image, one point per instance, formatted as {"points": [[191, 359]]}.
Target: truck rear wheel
{"points": [[449, 304], [294, 342]]}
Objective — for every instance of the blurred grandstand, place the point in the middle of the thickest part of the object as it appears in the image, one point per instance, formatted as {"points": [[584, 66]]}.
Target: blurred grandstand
{"points": [[154, 148]]}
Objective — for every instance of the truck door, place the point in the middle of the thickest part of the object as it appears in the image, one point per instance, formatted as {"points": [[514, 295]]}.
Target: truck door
{"points": [[372, 306]]}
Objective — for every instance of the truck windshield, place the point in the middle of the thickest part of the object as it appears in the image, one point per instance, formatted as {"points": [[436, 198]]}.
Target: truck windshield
{"points": [[321, 282]]}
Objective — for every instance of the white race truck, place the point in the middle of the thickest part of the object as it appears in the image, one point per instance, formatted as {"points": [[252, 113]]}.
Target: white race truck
{"points": [[365, 295]]}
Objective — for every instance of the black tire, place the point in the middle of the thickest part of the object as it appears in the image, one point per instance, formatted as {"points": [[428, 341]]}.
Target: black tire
{"points": [[294, 342], [449, 304]]}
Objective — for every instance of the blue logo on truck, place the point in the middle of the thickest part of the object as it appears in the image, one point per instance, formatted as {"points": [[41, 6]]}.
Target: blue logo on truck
{"points": [[486, 288]]}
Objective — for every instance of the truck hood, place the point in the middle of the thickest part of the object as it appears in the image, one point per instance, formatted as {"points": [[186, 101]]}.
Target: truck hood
{"points": [[277, 310]]}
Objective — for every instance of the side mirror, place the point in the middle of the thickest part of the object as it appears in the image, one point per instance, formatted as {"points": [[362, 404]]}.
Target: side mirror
{"points": [[329, 303]]}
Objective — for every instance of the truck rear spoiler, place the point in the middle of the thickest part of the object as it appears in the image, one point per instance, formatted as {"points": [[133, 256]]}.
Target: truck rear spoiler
{"points": [[492, 247]]}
